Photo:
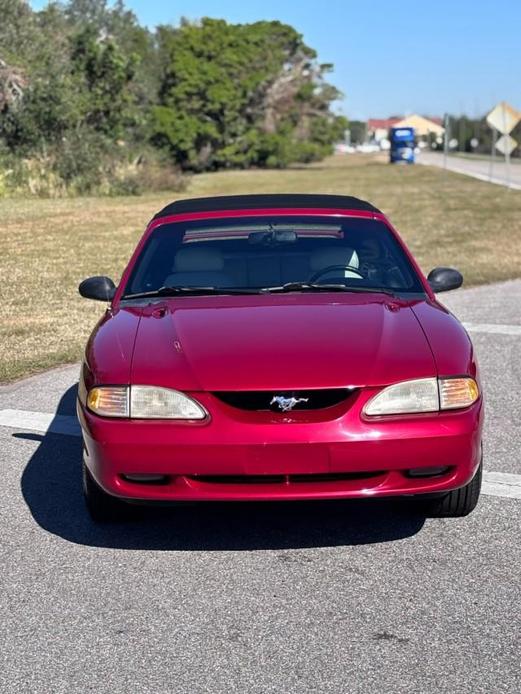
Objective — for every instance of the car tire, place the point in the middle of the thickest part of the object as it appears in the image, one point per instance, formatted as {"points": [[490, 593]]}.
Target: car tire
{"points": [[102, 507], [459, 502]]}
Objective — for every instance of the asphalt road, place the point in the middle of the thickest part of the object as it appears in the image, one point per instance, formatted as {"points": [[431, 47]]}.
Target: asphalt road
{"points": [[482, 168], [289, 598]]}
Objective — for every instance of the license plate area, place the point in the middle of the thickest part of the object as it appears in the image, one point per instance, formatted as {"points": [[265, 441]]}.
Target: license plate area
{"points": [[290, 459]]}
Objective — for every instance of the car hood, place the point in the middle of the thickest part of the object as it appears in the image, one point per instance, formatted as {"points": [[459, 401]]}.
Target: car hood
{"points": [[279, 342]]}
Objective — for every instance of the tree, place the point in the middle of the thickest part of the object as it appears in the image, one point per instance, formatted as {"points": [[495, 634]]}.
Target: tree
{"points": [[17, 31], [237, 95], [358, 130], [86, 93], [103, 74], [43, 118]]}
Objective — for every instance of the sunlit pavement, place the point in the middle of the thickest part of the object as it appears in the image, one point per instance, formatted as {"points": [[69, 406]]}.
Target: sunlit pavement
{"points": [[325, 597], [484, 169]]}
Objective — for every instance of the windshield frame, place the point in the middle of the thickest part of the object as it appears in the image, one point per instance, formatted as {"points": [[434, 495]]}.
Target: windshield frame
{"points": [[233, 215]]}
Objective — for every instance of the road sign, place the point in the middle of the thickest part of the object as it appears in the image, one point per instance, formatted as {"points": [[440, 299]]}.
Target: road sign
{"points": [[506, 144], [503, 118]]}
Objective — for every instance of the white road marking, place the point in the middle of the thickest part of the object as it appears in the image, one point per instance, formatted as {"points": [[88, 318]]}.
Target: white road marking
{"points": [[503, 484], [493, 328], [43, 422]]}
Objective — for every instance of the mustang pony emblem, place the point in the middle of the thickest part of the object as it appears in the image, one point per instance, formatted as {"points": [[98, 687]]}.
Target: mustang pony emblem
{"points": [[286, 404]]}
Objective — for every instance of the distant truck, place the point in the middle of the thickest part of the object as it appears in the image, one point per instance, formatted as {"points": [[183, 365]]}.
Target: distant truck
{"points": [[402, 145]]}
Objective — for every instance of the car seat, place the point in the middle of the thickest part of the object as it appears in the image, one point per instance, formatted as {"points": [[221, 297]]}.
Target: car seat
{"points": [[199, 267]]}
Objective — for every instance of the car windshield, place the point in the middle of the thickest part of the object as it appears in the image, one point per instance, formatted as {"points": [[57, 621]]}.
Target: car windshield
{"points": [[272, 253]]}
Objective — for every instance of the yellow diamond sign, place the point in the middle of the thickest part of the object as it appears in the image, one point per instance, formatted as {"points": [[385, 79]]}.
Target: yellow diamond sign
{"points": [[504, 118], [506, 144]]}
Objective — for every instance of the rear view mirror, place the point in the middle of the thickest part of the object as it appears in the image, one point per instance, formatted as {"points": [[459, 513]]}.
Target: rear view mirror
{"points": [[273, 237], [98, 288], [442, 279]]}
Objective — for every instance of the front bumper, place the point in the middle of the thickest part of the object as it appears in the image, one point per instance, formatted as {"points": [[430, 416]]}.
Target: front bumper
{"points": [[239, 455]]}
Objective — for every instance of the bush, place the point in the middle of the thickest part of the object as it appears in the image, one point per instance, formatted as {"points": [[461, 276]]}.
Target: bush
{"points": [[87, 166], [152, 176], [31, 175]]}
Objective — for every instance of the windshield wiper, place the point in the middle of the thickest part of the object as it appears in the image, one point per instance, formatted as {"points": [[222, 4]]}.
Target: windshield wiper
{"points": [[285, 288], [190, 291], [309, 286]]}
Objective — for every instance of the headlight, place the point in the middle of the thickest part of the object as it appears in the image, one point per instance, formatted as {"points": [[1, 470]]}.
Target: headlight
{"points": [[143, 402], [407, 397], [423, 395], [149, 402]]}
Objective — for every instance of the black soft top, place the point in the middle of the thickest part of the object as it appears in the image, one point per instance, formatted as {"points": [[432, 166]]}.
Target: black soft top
{"points": [[266, 201]]}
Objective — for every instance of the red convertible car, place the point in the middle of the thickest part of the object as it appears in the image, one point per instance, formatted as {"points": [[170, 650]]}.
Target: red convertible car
{"points": [[271, 347]]}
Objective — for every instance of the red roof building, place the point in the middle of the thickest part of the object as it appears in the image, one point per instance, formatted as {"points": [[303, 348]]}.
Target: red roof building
{"points": [[378, 128], [382, 123]]}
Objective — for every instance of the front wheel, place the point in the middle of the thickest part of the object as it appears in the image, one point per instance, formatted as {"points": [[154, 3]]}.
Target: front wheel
{"points": [[102, 507], [458, 502]]}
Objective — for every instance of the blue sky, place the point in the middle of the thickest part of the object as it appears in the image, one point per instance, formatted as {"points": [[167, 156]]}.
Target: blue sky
{"points": [[389, 56]]}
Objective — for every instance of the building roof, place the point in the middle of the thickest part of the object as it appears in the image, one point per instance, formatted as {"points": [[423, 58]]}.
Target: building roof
{"points": [[422, 126], [435, 119], [382, 123], [266, 201]]}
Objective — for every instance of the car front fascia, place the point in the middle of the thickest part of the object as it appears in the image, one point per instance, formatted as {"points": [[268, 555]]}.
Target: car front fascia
{"points": [[230, 444]]}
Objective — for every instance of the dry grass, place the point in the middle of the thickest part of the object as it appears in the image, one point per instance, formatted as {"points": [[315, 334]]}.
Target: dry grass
{"points": [[48, 246]]}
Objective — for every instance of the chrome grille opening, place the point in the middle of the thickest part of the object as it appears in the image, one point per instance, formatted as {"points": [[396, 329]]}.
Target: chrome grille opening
{"points": [[265, 400]]}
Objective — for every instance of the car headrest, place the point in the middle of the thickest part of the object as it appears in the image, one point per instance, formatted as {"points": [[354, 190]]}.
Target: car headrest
{"points": [[333, 255], [370, 249], [191, 259]]}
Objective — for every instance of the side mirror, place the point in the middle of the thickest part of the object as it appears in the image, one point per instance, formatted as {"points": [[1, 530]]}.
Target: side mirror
{"points": [[98, 288], [442, 279]]}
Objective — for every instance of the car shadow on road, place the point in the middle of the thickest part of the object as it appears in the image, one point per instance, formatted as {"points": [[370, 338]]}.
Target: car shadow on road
{"points": [[51, 486]]}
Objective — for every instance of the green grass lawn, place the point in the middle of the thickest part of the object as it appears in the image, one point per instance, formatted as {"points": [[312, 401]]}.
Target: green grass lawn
{"points": [[49, 246]]}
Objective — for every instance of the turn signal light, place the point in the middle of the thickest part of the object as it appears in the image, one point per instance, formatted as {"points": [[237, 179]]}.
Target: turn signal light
{"points": [[457, 392], [109, 401]]}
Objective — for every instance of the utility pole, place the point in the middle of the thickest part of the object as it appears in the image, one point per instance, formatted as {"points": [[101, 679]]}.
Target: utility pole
{"points": [[446, 141], [507, 150], [492, 154]]}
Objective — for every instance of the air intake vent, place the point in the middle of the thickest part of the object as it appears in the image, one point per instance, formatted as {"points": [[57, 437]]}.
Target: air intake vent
{"points": [[286, 479]]}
